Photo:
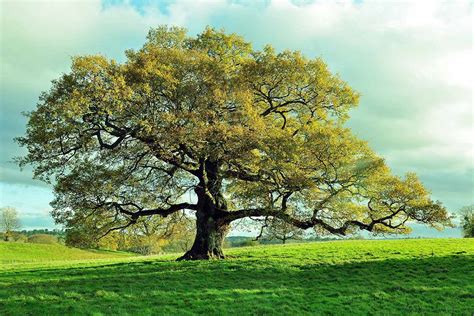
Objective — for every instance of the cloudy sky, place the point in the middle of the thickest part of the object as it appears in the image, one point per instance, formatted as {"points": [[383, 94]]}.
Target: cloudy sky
{"points": [[412, 61]]}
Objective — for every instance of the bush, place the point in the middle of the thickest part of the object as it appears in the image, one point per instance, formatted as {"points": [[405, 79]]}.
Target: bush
{"points": [[144, 249], [13, 237], [150, 245], [248, 243], [18, 237], [43, 239]]}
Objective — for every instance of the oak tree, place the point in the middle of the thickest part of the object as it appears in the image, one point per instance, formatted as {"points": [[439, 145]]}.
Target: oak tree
{"points": [[243, 132]]}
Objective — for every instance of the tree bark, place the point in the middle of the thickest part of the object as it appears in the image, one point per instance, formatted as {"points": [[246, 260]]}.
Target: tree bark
{"points": [[211, 226], [210, 234]]}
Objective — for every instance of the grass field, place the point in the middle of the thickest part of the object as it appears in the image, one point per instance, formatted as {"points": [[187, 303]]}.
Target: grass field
{"points": [[25, 253], [391, 277]]}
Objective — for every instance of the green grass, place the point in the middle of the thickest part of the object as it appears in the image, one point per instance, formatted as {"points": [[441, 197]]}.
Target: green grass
{"points": [[391, 277], [26, 253]]}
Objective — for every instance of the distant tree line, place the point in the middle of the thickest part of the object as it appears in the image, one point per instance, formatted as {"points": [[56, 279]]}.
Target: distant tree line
{"points": [[155, 235], [60, 233]]}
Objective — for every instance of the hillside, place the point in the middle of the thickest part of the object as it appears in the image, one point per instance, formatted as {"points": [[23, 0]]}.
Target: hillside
{"points": [[17, 253], [389, 277]]}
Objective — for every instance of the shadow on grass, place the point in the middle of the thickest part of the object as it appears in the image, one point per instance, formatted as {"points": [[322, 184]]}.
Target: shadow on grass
{"points": [[433, 285]]}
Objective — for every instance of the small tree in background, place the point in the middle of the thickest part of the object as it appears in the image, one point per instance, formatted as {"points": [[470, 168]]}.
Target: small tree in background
{"points": [[9, 222], [467, 220]]}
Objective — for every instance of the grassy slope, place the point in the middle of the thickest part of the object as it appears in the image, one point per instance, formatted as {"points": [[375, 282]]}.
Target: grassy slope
{"points": [[20, 253], [335, 278]]}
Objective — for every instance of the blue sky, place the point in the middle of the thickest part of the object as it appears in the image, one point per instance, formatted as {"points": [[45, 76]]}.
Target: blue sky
{"points": [[411, 61]]}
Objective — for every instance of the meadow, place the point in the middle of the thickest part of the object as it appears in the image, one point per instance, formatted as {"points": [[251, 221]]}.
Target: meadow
{"points": [[27, 253], [363, 277]]}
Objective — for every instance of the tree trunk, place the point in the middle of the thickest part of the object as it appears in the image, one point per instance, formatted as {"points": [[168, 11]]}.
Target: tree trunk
{"points": [[7, 235], [210, 234], [211, 228]]}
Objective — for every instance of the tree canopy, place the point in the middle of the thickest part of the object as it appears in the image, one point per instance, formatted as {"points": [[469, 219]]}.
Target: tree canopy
{"points": [[210, 125]]}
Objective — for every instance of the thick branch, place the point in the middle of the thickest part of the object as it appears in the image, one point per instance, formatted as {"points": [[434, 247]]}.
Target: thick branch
{"points": [[131, 222], [305, 224], [156, 211], [134, 215], [167, 157]]}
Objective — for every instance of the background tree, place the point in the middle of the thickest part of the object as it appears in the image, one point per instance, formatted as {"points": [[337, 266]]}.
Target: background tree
{"points": [[9, 222], [245, 133], [467, 220]]}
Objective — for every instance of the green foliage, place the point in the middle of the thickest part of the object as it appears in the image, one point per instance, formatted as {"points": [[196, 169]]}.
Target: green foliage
{"points": [[59, 233], [427, 277], [42, 239], [150, 235], [250, 243], [241, 241], [467, 221], [79, 237], [246, 243]]}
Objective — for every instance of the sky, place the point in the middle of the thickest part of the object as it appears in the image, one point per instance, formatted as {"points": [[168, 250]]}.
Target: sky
{"points": [[412, 62]]}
